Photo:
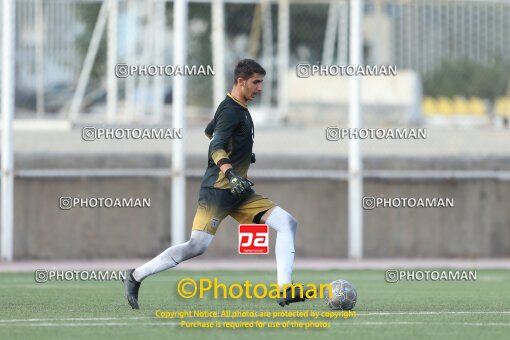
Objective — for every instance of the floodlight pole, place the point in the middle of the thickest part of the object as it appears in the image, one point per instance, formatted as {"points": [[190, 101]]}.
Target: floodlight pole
{"points": [[218, 51], [355, 154], [131, 56], [267, 51], [283, 55], [88, 63], [159, 59], [178, 209], [39, 58], [8, 59], [111, 61]]}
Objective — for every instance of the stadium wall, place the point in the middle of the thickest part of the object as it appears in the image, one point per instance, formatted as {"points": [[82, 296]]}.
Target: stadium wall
{"points": [[477, 225]]}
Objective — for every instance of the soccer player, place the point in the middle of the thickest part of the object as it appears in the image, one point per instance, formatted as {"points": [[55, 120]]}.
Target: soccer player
{"points": [[225, 190]]}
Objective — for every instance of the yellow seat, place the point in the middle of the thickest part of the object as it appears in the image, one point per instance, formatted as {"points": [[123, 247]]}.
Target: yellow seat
{"points": [[476, 106], [460, 106], [502, 107], [428, 106], [444, 106]]}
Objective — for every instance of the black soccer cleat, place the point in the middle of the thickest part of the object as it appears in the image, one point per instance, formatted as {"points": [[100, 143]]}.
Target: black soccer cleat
{"points": [[289, 298], [131, 287]]}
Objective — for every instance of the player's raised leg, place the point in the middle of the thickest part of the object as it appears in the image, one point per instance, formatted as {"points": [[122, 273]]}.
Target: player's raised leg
{"points": [[171, 257]]}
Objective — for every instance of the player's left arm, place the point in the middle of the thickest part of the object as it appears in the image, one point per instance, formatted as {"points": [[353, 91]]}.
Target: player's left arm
{"points": [[226, 124]]}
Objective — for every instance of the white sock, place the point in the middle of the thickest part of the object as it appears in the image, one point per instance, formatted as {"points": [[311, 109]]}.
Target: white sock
{"points": [[171, 257], [285, 225]]}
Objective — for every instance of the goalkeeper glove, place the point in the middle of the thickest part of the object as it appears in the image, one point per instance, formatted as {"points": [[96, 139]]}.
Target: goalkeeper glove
{"points": [[240, 187]]}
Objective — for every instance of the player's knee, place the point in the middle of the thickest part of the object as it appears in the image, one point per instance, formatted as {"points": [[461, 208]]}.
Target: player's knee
{"points": [[197, 247], [281, 221], [291, 222]]}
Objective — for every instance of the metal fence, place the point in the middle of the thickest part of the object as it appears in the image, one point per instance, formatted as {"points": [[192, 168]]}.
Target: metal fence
{"points": [[53, 37]]}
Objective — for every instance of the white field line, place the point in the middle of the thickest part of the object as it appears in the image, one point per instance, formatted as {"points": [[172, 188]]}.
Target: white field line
{"points": [[389, 323], [76, 319], [427, 313], [43, 286], [14, 321], [93, 324], [491, 324]]}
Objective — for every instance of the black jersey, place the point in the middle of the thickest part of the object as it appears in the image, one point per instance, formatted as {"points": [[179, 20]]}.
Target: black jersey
{"points": [[232, 133]]}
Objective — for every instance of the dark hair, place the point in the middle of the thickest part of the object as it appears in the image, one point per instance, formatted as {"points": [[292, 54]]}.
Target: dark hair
{"points": [[246, 68]]}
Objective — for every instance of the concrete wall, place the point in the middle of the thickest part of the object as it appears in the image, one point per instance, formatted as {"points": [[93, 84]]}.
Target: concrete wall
{"points": [[478, 225]]}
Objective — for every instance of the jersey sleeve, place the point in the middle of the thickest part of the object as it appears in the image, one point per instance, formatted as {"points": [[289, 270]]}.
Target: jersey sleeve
{"points": [[226, 124], [209, 130]]}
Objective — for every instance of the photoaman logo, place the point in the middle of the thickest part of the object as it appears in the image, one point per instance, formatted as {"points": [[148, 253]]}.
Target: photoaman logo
{"points": [[188, 288], [253, 239]]}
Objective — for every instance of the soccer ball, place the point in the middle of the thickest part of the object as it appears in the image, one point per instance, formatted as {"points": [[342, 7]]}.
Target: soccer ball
{"points": [[343, 296]]}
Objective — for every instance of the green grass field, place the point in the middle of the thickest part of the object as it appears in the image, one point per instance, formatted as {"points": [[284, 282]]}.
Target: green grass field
{"points": [[403, 310]]}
